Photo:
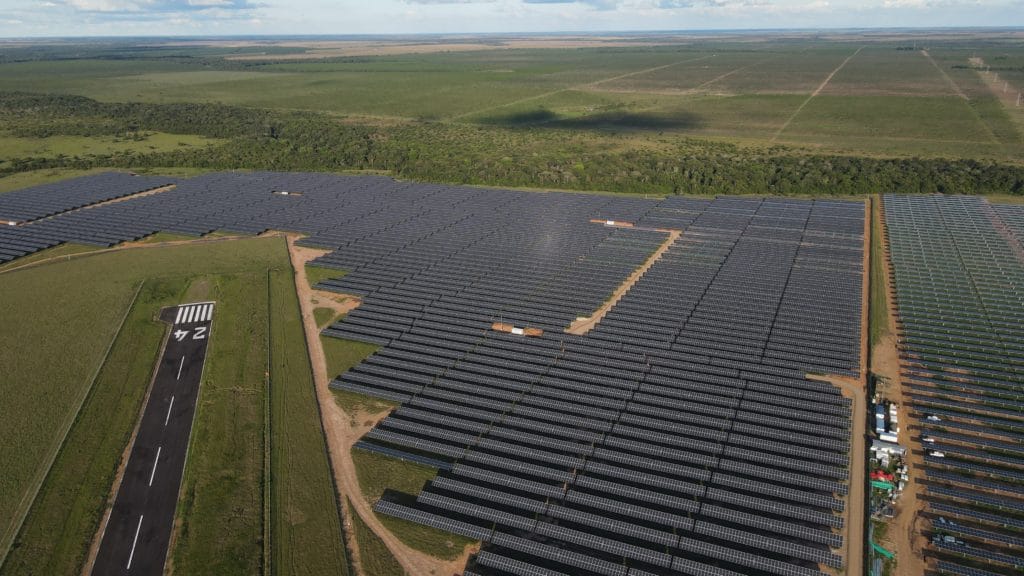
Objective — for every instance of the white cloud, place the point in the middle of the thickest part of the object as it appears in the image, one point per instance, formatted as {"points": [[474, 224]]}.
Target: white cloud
{"points": [[87, 17]]}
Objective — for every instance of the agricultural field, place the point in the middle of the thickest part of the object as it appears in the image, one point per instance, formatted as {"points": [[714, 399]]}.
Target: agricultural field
{"points": [[876, 97], [60, 486]]}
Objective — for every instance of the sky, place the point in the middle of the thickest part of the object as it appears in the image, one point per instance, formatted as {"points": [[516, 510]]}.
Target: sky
{"points": [[23, 18]]}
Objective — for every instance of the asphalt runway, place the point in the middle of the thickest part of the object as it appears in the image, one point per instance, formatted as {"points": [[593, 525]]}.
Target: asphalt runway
{"points": [[137, 535]]}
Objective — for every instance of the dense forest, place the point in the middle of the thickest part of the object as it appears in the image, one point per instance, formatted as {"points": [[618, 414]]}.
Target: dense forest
{"points": [[534, 156]]}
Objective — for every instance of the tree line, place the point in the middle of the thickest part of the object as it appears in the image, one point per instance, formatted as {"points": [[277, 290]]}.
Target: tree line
{"points": [[473, 154]]}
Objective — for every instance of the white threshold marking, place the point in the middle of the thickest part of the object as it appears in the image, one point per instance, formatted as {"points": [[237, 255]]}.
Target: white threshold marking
{"points": [[134, 542], [155, 462], [168, 419], [180, 366], [178, 319]]}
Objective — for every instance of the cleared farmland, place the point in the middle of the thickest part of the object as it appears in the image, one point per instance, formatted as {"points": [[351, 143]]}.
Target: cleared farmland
{"points": [[726, 89]]}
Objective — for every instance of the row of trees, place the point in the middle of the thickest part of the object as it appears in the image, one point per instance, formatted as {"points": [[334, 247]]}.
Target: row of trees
{"points": [[462, 153]]}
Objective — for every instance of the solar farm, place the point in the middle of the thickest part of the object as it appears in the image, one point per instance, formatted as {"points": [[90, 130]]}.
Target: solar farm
{"points": [[958, 271], [679, 433]]}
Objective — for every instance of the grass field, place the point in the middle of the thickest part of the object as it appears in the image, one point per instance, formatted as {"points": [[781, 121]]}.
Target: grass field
{"points": [[879, 311], [18, 147], [66, 513], [378, 473], [316, 274], [305, 531], [375, 558], [225, 472], [890, 99]]}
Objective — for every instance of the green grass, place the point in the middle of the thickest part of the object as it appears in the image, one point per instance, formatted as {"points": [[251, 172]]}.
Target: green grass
{"points": [[165, 237], [341, 354], [324, 316], [306, 534], [378, 473], [60, 343], [19, 180], [879, 315], [220, 513], [884, 101], [16, 147], [375, 558], [316, 274], [67, 511]]}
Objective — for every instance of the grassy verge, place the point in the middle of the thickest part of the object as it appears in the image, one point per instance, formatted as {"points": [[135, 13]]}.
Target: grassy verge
{"points": [[324, 316], [316, 274], [66, 513], [879, 313], [165, 237], [48, 361], [305, 521], [344, 354], [378, 473], [220, 513], [20, 180], [375, 558]]}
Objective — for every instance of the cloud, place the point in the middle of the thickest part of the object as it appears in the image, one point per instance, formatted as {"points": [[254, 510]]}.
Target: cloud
{"points": [[141, 7]]}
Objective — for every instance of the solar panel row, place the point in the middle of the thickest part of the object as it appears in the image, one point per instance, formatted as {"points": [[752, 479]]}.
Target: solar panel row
{"points": [[958, 270]]}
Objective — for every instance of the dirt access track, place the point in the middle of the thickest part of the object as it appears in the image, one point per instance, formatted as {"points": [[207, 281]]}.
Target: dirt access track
{"points": [[583, 325], [343, 430]]}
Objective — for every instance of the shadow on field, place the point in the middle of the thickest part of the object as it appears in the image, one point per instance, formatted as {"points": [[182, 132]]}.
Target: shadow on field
{"points": [[615, 119]]}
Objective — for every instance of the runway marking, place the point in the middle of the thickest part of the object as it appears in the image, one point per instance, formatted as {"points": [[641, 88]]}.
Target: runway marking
{"points": [[168, 419], [180, 366], [155, 462], [134, 542], [177, 320]]}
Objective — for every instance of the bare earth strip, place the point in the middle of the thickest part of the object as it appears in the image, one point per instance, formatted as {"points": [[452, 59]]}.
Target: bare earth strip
{"points": [[855, 501], [344, 430], [682, 91], [815, 93], [583, 86], [952, 84], [584, 325], [905, 532]]}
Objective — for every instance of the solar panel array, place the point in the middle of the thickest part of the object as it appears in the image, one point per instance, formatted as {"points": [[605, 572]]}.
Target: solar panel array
{"points": [[39, 202], [958, 268], [679, 436], [49, 199]]}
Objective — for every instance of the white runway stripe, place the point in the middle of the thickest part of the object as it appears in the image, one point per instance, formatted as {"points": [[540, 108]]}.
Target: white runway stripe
{"points": [[134, 542], [191, 313]]}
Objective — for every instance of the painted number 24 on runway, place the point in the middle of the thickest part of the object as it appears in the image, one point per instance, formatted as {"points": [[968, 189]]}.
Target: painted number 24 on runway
{"points": [[200, 334]]}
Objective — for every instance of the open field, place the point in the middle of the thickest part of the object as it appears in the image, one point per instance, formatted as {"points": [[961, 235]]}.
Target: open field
{"points": [[16, 147], [734, 89], [375, 558], [306, 534], [378, 474]]}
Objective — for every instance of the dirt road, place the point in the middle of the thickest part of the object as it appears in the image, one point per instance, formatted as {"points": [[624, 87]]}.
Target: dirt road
{"points": [[342, 435]]}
